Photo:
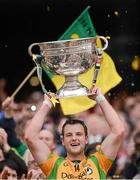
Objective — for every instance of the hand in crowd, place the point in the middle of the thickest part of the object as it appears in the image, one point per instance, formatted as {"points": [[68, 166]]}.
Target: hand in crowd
{"points": [[7, 107], [35, 174], [3, 140]]}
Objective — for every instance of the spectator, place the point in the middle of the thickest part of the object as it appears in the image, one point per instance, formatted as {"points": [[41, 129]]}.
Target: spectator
{"points": [[11, 162], [8, 124]]}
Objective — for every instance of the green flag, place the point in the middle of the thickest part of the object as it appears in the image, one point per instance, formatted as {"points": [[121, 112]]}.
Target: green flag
{"points": [[82, 27]]}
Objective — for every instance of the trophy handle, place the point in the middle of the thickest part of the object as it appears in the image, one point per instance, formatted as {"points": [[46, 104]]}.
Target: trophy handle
{"points": [[30, 48], [99, 58], [105, 42]]}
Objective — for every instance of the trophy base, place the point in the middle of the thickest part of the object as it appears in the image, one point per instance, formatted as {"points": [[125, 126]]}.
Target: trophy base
{"points": [[72, 88], [68, 93]]}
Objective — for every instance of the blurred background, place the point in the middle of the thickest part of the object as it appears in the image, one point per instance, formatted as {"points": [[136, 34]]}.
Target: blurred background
{"points": [[27, 21]]}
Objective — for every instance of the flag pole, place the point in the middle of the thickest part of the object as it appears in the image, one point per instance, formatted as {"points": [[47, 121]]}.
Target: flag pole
{"points": [[23, 82]]}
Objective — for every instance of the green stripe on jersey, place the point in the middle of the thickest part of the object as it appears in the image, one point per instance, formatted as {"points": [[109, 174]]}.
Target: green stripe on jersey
{"points": [[55, 168], [101, 172]]}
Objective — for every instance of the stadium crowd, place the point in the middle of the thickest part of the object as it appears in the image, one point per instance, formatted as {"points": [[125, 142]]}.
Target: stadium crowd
{"points": [[17, 162]]}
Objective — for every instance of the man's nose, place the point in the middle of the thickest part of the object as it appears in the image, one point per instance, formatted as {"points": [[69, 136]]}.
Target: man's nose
{"points": [[74, 137]]}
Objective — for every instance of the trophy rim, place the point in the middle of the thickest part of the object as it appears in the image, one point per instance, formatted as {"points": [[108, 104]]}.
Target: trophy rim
{"points": [[67, 40]]}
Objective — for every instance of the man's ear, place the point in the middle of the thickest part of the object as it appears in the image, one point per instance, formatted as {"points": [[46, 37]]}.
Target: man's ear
{"points": [[54, 145], [87, 139], [62, 140]]}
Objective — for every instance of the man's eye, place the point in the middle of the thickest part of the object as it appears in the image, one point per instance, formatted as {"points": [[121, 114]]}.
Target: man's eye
{"points": [[14, 175], [68, 135], [79, 134]]}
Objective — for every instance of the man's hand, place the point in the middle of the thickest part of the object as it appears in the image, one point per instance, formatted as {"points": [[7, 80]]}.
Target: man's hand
{"points": [[47, 101], [51, 97], [7, 107], [95, 92], [97, 95]]}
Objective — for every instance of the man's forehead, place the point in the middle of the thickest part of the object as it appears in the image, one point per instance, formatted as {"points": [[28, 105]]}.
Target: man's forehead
{"points": [[73, 128], [10, 169]]}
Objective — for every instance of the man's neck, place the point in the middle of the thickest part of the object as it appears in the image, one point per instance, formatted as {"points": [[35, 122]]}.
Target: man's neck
{"points": [[75, 157]]}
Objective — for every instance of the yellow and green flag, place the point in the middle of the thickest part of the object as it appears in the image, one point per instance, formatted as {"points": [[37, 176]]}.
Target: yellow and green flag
{"points": [[108, 77]]}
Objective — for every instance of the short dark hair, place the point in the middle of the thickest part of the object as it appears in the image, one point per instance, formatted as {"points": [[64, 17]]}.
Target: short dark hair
{"points": [[75, 121], [10, 164]]}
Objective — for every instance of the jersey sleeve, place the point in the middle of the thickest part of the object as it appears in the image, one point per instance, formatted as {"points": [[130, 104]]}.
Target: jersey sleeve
{"points": [[104, 162], [48, 165]]}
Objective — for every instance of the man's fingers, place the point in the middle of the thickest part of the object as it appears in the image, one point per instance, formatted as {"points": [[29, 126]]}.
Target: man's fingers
{"points": [[94, 90], [29, 175], [49, 95]]}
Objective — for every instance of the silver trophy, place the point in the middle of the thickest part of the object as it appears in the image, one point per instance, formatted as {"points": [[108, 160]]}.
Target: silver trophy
{"points": [[70, 58]]}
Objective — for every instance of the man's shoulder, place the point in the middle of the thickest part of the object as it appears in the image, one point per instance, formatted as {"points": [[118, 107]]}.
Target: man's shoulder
{"points": [[55, 158]]}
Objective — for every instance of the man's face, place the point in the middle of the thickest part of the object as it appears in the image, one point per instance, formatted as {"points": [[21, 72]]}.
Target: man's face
{"points": [[22, 111], [9, 173], [74, 139], [48, 138]]}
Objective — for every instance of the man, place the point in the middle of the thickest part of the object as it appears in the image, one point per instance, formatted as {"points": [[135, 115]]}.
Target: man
{"points": [[76, 165], [48, 137]]}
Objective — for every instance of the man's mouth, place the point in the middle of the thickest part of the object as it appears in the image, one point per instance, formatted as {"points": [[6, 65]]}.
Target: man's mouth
{"points": [[75, 144]]}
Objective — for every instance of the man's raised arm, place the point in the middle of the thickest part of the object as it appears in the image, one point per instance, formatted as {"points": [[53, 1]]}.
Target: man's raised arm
{"points": [[112, 142], [38, 148]]}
